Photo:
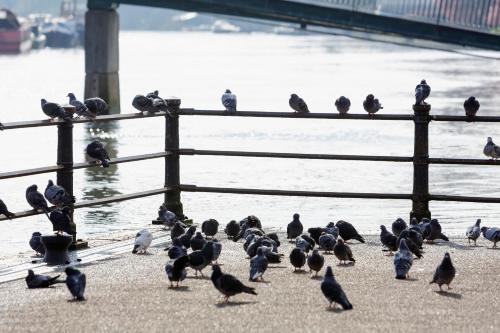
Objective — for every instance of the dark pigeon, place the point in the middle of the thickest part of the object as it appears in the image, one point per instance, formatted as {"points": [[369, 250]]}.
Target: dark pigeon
{"points": [[61, 221], [75, 281], [96, 105], [297, 258], [36, 200], [4, 211], [343, 104], [315, 261], [217, 250], [473, 232], [422, 92], [229, 101], [387, 239], [410, 243], [176, 249], [143, 104], [176, 270], [272, 257], [258, 265], [471, 106], [80, 108], [254, 231], [186, 237], [36, 243], [332, 229], [398, 226], [197, 241], [97, 151], [40, 281], [315, 233], [343, 252], [327, 242], [248, 222], [232, 229], [372, 104], [249, 240], [298, 104], [177, 230], [304, 244], [435, 231], [153, 95], [425, 226], [200, 259], [57, 195], [348, 232], [159, 104], [54, 110], [445, 272], [210, 227], [403, 260], [415, 226], [333, 291], [274, 237], [491, 234], [227, 284], [294, 228], [167, 217]]}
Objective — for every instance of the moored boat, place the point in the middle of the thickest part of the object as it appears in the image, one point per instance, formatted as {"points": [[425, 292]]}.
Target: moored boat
{"points": [[15, 34]]}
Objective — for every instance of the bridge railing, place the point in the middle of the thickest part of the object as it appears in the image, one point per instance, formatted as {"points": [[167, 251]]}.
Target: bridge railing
{"points": [[172, 186]]}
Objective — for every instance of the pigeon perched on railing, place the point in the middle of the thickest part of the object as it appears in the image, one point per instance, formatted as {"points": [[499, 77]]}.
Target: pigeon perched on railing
{"points": [[142, 242], [491, 234], [315, 262], [326, 242], [343, 104], [57, 195], [294, 228], [34, 281], [372, 104], [471, 106], [387, 239], [36, 243], [229, 101], [343, 252], [422, 92], [80, 108], [403, 260], [54, 110], [298, 104], [398, 226], [258, 265], [200, 259], [444, 273], [143, 104], [473, 232], [176, 270], [232, 229], [5, 211], [210, 227], [297, 258], [36, 200], [75, 281], [333, 291], [227, 284], [96, 105], [97, 151], [491, 149], [348, 232]]}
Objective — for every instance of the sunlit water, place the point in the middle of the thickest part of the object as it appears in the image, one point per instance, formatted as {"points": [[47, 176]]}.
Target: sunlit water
{"points": [[262, 69]]}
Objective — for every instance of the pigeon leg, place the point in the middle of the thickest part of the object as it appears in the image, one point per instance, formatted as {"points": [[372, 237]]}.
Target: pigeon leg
{"points": [[201, 273], [494, 245], [196, 272], [226, 299], [171, 284], [177, 284], [440, 289], [316, 273], [449, 288]]}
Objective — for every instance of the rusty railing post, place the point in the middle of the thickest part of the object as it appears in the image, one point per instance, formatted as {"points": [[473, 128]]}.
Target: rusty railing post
{"points": [[420, 195]]}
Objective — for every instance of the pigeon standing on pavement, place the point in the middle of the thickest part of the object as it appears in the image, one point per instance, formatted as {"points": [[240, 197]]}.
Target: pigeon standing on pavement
{"points": [[411, 238], [403, 260], [197, 241], [315, 233], [445, 272], [471, 106], [294, 228], [473, 232], [347, 231], [258, 265], [177, 230], [57, 195], [185, 238], [210, 227], [333, 291], [372, 104], [176, 270], [306, 244], [315, 261], [227, 284], [167, 217], [398, 226], [176, 249], [326, 242], [217, 250], [491, 149], [435, 231], [4, 211], [75, 281], [332, 229], [36, 243], [200, 259], [229, 101], [34, 281], [142, 242], [298, 104], [232, 229], [343, 252], [422, 91], [343, 104], [491, 234], [387, 239], [36, 200], [54, 110], [96, 150], [297, 258]]}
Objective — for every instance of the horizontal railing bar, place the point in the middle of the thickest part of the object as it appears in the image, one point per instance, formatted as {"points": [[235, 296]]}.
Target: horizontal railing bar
{"points": [[477, 119], [36, 171], [443, 197], [463, 161]]}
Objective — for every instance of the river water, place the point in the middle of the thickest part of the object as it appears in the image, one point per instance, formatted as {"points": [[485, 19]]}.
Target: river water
{"points": [[262, 69]]}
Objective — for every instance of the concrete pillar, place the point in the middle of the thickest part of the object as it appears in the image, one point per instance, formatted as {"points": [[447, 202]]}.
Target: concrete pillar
{"points": [[102, 56]]}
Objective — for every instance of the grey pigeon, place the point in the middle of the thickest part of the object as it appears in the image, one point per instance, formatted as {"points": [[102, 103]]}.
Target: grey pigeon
{"points": [[96, 105], [435, 231], [315, 261], [142, 242], [403, 260], [36, 200], [227, 284], [348, 232], [200, 259], [298, 104], [217, 250], [4, 211], [398, 226], [274, 237], [36, 243], [272, 257], [75, 281], [197, 241], [185, 238], [210, 227], [176, 249], [297, 258], [471, 106], [445, 272], [255, 231], [315, 233], [491, 149], [304, 244], [372, 104], [326, 242], [343, 252], [57, 195], [491, 234], [343, 104], [61, 221], [177, 230], [143, 104], [258, 265], [387, 239], [415, 226], [232, 229], [412, 241], [153, 95], [332, 229], [176, 270], [96, 150], [422, 92], [167, 217], [54, 110], [333, 291], [249, 240], [80, 108], [473, 232], [34, 281], [229, 101], [294, 228]]}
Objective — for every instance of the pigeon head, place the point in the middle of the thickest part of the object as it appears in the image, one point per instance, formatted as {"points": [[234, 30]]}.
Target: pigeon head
{"points": [[216, 269], [382, 228], [43, 101], [191, 229], [296, 216], [32, 188], [490, 140], [260, 251], [315, 251], [370, 97], [30, 272], [484, 229], [413, 221], [471, 99], [198, 234], [478, 222], [71, 96], [71, 271], [447, 259], [329, 272], [434, 221], [50, 183], [423, 82], [162, 208], [228, 91], [340, 241], [294, 96], [36, 234], [402, 245]]}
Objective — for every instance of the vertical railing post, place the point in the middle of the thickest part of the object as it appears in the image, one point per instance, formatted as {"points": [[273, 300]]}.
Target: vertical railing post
{"points": [[172, 178], [420, 196]]}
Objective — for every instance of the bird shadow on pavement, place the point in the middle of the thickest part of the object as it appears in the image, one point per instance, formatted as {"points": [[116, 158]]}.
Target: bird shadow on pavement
{"points": [[269, 267], [224, 304], [453, 245], [300, 271], [346, 265], [336, 310], [316, 277], [261, 281], [180, 288], [199, 277], [448, 294]]}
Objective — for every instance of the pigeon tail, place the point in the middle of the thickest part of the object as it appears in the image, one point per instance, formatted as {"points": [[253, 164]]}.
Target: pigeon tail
{"points": [[346, 305], [443, 237], [249, 290], [360, 239], [105, 163], [54, 280]]}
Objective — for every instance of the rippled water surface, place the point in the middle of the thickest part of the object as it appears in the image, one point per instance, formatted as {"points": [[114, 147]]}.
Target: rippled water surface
{"points": [[262, 69]]}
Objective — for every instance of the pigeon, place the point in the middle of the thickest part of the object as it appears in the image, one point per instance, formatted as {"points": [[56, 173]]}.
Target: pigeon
{"points": [[57, 195], [185, 238], [177, 230], [143, 104], [343, 252], [298, 104], [210, 227], [248, 222], [403, 259], [294, 228], [273, 236], [96, 150], [5, 211], [272, 257], [332, 229], [197, 241], [333, 291], [232, 229], [75, 281], [415, 226], [200, 259], [435, 232], [471, 106], [258, 265], [412, 246], [326, 242], [398, 226], [315, 233], [176, 249], [167, 217], [217, 250], [347, 231], [142, 242], [228, 285], [54, 110], [315, 262], [61, 221], [387, 239], [176, 270], [40, 281], [371, 104], [153, 95], [96, 105], [36, 200], [80, 108], [254, 231], [159, 104], [343, 104], [491, 149], [229, 101], [297, 258], [36, 243], [491, 234], [304, 244], [473, 232], [425, 227], [422, 92], [445, 272]]}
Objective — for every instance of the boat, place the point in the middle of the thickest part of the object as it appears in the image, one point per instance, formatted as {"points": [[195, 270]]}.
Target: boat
{"points": [[15, 33], [60, 33]]}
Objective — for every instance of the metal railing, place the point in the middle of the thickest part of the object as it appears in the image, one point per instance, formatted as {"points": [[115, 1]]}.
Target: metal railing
{"points": [[172, 187]]}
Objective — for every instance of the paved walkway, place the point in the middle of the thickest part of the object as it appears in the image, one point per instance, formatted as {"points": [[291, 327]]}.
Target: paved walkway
{"points": [[130, 293]]}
